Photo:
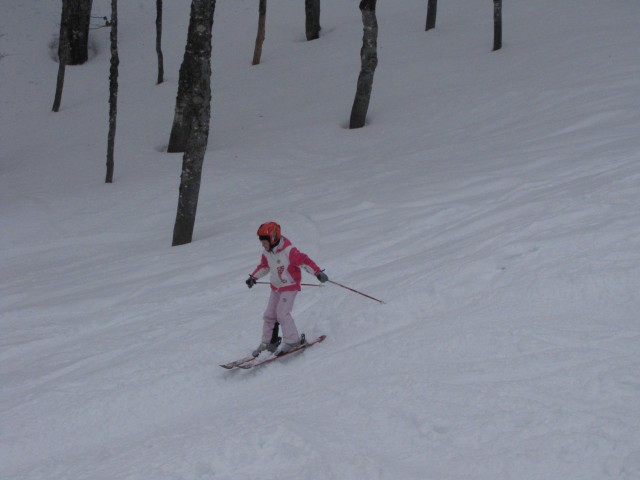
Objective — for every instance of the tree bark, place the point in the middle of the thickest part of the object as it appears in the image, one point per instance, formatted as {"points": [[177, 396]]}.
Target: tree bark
{"points": [[113, 91], [497, 25], [59, 86], [73, 43], [432, 10], [369, 62], [63, 57], [262, 15], [312, 23], [199, 102], [160, 78], [182, 120], [78, 14]]}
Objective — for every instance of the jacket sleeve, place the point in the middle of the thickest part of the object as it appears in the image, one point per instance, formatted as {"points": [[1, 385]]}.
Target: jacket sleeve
{"points": [[302, 260], [262, 269]]}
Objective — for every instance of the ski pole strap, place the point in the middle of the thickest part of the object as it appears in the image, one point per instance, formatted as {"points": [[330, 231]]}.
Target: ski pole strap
{"points": [[356, 291]]}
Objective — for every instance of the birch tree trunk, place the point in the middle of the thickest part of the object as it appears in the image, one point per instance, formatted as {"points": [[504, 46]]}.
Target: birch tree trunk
{"points": [[59, 86], [64, 55], [79, 18], [73, 44], [80, 33], [432, 10], [184, 113], [369, 62], [199, 103], [160, 78], [497, 25], [113, 91], [262, 16], [312, 15]]}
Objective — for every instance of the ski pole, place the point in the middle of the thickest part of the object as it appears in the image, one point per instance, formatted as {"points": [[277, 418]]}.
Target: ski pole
{"points": [[302, 284], [355, 291]]}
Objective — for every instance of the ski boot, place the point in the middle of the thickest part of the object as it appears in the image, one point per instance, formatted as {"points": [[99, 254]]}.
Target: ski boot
{"points": [[269, 347]]}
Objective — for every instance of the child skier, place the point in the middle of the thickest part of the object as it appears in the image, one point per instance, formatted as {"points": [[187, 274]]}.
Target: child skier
{"points": [[284, 262]]}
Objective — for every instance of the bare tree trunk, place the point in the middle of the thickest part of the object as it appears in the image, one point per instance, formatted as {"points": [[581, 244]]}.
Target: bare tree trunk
{"points": [[59, 86], [159, 42], [312, 14], [497, 25], [113, 90], [73, 43], [432, 10], [369, 59], [64, 55], [199, 47], [262, 15], [182, 120], [79, 12]]}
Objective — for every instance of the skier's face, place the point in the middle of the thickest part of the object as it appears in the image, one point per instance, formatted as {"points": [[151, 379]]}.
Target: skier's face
{"points": [[265, 244]]}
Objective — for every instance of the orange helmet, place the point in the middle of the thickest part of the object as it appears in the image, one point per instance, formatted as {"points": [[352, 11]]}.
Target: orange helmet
{"points": [[270, 231]]}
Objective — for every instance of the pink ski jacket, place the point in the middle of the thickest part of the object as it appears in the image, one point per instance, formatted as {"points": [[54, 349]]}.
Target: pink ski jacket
{"points": [[284, 263]]}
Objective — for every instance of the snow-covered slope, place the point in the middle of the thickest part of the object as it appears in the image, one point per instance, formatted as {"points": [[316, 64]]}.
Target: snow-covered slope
{"points": [[492, 202]]}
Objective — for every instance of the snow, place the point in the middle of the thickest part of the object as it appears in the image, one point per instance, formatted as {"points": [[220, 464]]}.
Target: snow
{"points": [[492, 201]]}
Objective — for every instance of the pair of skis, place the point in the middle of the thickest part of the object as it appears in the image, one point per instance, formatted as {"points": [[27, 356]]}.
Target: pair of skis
{"points": [[252, 362]]}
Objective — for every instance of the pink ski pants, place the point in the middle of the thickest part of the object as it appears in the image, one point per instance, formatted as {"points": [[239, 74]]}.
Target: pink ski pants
{"points": [[279, 310]]}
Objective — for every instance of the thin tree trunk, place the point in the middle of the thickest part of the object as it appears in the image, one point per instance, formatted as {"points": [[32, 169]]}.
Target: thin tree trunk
{"points": [[369, 59], [312, 14], [159, 42], [73, 43], [59, 86], [497, 25], [262, 15], [113, 91], [432, 10], [199, 46], [64, 54]]}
